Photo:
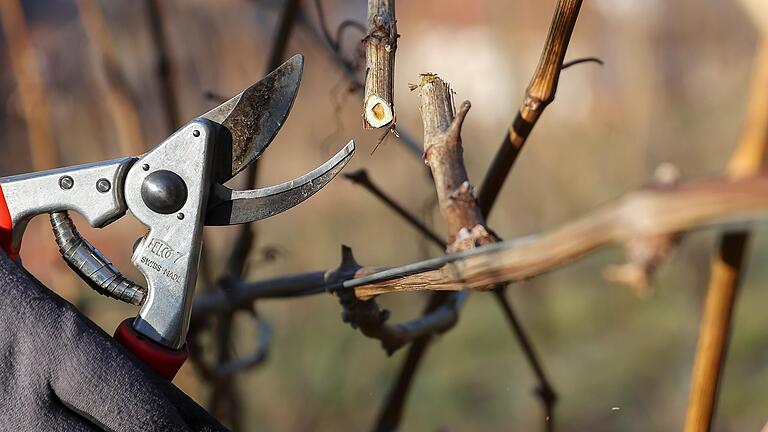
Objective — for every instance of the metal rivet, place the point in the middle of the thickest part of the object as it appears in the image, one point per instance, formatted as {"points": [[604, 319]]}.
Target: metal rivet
{"points": [[66, 182], [196, 133], [145, 167], [103, 185], [164, 192], [180, 216]]}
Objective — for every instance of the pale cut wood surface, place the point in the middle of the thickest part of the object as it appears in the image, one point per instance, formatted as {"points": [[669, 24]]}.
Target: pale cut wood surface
{"points": [[380, 47]]}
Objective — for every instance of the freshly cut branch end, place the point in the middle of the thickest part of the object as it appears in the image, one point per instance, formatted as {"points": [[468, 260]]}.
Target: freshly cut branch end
{"points": [[380, 46], [378, 111], [443, 153]]}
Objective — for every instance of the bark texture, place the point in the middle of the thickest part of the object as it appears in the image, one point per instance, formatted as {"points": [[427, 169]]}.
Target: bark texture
{"points": [[443, 153], [727, 262], [540, 93], [640, 214], [380, 47]]}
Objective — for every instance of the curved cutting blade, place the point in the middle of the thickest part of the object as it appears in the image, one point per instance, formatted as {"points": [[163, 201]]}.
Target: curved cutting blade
{"points": [[253, 118], [228, 207]]}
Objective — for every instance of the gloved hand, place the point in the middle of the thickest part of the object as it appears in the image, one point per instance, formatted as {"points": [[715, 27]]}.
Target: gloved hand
{"points": [[60, 372]]}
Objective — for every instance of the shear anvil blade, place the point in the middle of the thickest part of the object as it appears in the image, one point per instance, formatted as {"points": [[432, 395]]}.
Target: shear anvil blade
{"points": [[228, 207], [253, 118]]}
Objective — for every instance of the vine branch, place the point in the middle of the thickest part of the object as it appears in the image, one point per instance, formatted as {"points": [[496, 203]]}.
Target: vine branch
{"points": [[380, 46], [540, 93]]}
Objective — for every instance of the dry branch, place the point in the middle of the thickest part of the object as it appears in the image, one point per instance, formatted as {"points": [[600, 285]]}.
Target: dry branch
{"points": [[380, 46], [544, 390], [243, 294], [644, 213], [26, 71], [361, 178], [540, 93], [115, 86], [443, 153], [371, 320], [348, 68], [726, 267], [168, 75], [444, 317]]}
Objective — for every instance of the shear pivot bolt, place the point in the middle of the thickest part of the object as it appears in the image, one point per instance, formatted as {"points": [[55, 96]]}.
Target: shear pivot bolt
{"points": [[103, 185], [66, 182], [164, 192]]}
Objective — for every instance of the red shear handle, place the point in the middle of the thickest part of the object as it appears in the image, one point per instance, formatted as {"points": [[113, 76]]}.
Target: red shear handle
{"points": [[6, 228], [162, 360]]}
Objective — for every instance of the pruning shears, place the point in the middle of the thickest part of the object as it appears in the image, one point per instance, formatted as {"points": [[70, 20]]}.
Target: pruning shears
{"points": [[174, 189]]}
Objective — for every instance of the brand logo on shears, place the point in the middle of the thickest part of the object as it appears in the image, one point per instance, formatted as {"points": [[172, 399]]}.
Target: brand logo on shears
{"points": [[163, 250]]}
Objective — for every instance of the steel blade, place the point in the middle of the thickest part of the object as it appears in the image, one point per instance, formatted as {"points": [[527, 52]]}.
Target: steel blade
{"points": [[253, 118], [228, 207]]}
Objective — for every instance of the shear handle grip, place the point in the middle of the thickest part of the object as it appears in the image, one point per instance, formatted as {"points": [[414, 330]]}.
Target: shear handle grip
{"points": [[163, 360], [6, 228]]}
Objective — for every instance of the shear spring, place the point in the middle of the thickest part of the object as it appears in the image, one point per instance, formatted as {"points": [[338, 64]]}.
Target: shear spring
{"points": [[90, 264]]}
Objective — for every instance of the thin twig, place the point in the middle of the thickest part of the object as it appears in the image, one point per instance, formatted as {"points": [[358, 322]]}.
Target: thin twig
{"points": [[544, 391], [333, 44], [361, 178], [540, 92], [391, 412], [233, 365], [282, 34], [370, 319], [114, 84], [243, 294], [727, 263], [26, 71], [168, 75], [343, 26], [578, 61]]}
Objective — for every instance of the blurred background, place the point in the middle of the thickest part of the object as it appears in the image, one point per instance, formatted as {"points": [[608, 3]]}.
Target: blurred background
{"points": [[673, 89]]}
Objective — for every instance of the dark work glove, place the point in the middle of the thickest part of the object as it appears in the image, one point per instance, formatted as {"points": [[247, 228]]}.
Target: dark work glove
{"points": [[60, 372]]}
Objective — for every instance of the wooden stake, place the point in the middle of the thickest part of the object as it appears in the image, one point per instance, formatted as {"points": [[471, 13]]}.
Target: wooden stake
{"points": [[726, 267]]}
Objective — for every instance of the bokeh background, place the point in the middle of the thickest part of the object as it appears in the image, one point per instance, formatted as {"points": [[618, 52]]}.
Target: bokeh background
{"points": [[672, 90]]}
